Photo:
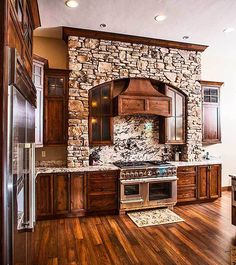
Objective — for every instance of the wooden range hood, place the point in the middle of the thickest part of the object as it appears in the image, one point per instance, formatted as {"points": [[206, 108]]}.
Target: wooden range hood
{"points": [[140, 97]]}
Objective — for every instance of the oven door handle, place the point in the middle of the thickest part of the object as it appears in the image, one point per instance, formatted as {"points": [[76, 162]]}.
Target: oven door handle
{"points": [[132, 182], [132, 201]]}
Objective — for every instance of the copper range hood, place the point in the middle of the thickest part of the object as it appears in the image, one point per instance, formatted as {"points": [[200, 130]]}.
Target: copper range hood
{"points": [[140, 97]]}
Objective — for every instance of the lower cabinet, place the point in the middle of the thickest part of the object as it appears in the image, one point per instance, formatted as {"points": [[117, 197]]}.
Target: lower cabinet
{"points": [[70, 195], [198, 183], [60, 195], [102, 192], [187, 184], [209, 183], [44, 196]]}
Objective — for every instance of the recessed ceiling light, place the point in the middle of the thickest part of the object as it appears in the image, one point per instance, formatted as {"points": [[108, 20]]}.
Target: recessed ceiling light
{"points": [[103, 25], [185, 37], [228, 30], [160, 18], [72, 3]]}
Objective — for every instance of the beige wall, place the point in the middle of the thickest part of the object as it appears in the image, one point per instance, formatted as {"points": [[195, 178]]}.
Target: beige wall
{"points": [[218, 68], [54, 50]]}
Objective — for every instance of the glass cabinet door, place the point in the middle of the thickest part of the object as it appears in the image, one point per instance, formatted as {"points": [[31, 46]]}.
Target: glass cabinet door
{"points": [[175, 125], [100, 115], [55, 86]]}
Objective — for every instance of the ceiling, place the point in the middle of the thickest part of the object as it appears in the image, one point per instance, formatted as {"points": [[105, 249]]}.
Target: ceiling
{"points": [[202, 20]]}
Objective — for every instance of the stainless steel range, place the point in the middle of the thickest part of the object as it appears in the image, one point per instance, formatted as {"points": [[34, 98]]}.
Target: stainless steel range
{"points": [[147, 184]]}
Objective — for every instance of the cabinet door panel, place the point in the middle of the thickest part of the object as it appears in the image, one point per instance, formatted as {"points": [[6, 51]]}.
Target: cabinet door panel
{"points": [[211, 123], [215, 181], [61, 193], [54, 121], [44, 196], [203, 182], [77, 193]]}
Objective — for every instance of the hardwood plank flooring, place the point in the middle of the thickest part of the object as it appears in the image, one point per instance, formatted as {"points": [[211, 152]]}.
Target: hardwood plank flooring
{"points": [[204, 238]]}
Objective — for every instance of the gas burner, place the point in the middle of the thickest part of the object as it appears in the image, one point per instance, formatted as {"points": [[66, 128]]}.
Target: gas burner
{"points": [[131, 164], [145, 169]]}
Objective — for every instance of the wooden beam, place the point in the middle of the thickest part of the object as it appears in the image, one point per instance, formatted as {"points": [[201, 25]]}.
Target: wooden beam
{"points": [[67, 31]]}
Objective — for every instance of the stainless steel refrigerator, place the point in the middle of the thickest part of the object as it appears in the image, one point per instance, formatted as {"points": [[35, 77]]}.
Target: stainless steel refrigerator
{"points": [[21, 177]]}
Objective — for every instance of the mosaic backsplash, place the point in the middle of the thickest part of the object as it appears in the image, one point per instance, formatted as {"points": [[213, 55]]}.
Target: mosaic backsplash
{"points": [[135, 138]]}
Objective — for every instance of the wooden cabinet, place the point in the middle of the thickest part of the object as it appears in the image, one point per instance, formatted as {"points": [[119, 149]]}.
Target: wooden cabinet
{"points": [[187, 184], [211, 112], [61, 190], [209, 182], [198, 183], [172, 129], [102, 192], [77, 193], [100, 115], [44, 196], [60, 195], [22, 20], [56, 107]]}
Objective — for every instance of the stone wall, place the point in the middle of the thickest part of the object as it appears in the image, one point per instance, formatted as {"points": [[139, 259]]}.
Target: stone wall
{"points": [[94, 61]]}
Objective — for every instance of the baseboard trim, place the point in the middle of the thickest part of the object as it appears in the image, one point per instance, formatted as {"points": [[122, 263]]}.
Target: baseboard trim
{"points": [[226, 188]]}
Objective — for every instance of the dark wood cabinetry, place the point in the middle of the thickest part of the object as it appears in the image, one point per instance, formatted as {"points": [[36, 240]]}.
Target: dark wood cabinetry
{"points": [[56, 107], [211, 112], [60, 195], [198, 183], [172, 129], [102, 192], [22, 20], [187, 184], [61, 190], [209, 182], [44, 196], [100, 115]]}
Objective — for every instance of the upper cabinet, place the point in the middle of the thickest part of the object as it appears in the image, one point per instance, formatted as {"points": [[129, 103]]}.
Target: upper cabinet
{"points": [[56, 106], [23, 19], [172, 129], [100, 115], [211, 131]]}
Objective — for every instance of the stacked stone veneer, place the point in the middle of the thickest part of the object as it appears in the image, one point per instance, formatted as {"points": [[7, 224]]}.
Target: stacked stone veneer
{"points": [[94, 61]]}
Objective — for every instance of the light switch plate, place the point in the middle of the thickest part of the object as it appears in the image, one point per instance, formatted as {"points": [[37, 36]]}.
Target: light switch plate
{"points": [[43, 153]]}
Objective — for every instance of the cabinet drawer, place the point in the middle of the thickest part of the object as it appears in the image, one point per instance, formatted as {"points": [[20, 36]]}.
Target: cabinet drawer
{"points": [[186, 194], [106, 182], [186, 169], [98, 203], [186, 179]]}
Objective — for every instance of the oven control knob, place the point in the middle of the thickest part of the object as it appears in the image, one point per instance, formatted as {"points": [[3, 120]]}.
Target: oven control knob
{"points": [[149, 173], [127, 175], [141, 174], [122, 175], [158, 172], [136, 173], [132, 174]]}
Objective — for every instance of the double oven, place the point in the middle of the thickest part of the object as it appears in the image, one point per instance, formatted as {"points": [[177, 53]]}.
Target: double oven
{"points": [[148, 187]]}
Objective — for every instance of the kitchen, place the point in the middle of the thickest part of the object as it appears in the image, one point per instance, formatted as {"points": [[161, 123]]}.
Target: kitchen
{"points": [[112, 131]]}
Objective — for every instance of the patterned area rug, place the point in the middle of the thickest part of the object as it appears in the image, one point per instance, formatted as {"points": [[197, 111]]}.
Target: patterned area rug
{"points": [[154, 217]]}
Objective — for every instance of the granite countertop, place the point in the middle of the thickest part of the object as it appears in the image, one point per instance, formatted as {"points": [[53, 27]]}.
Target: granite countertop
{"points": [[108, 167], [44, 170], [196, 163]]}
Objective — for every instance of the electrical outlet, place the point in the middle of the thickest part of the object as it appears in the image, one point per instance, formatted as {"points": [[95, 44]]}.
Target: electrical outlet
{"points": [[43, 153]]}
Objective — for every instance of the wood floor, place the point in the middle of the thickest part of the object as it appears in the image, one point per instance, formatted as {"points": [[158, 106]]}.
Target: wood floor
{"points": [[204, 238]]}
